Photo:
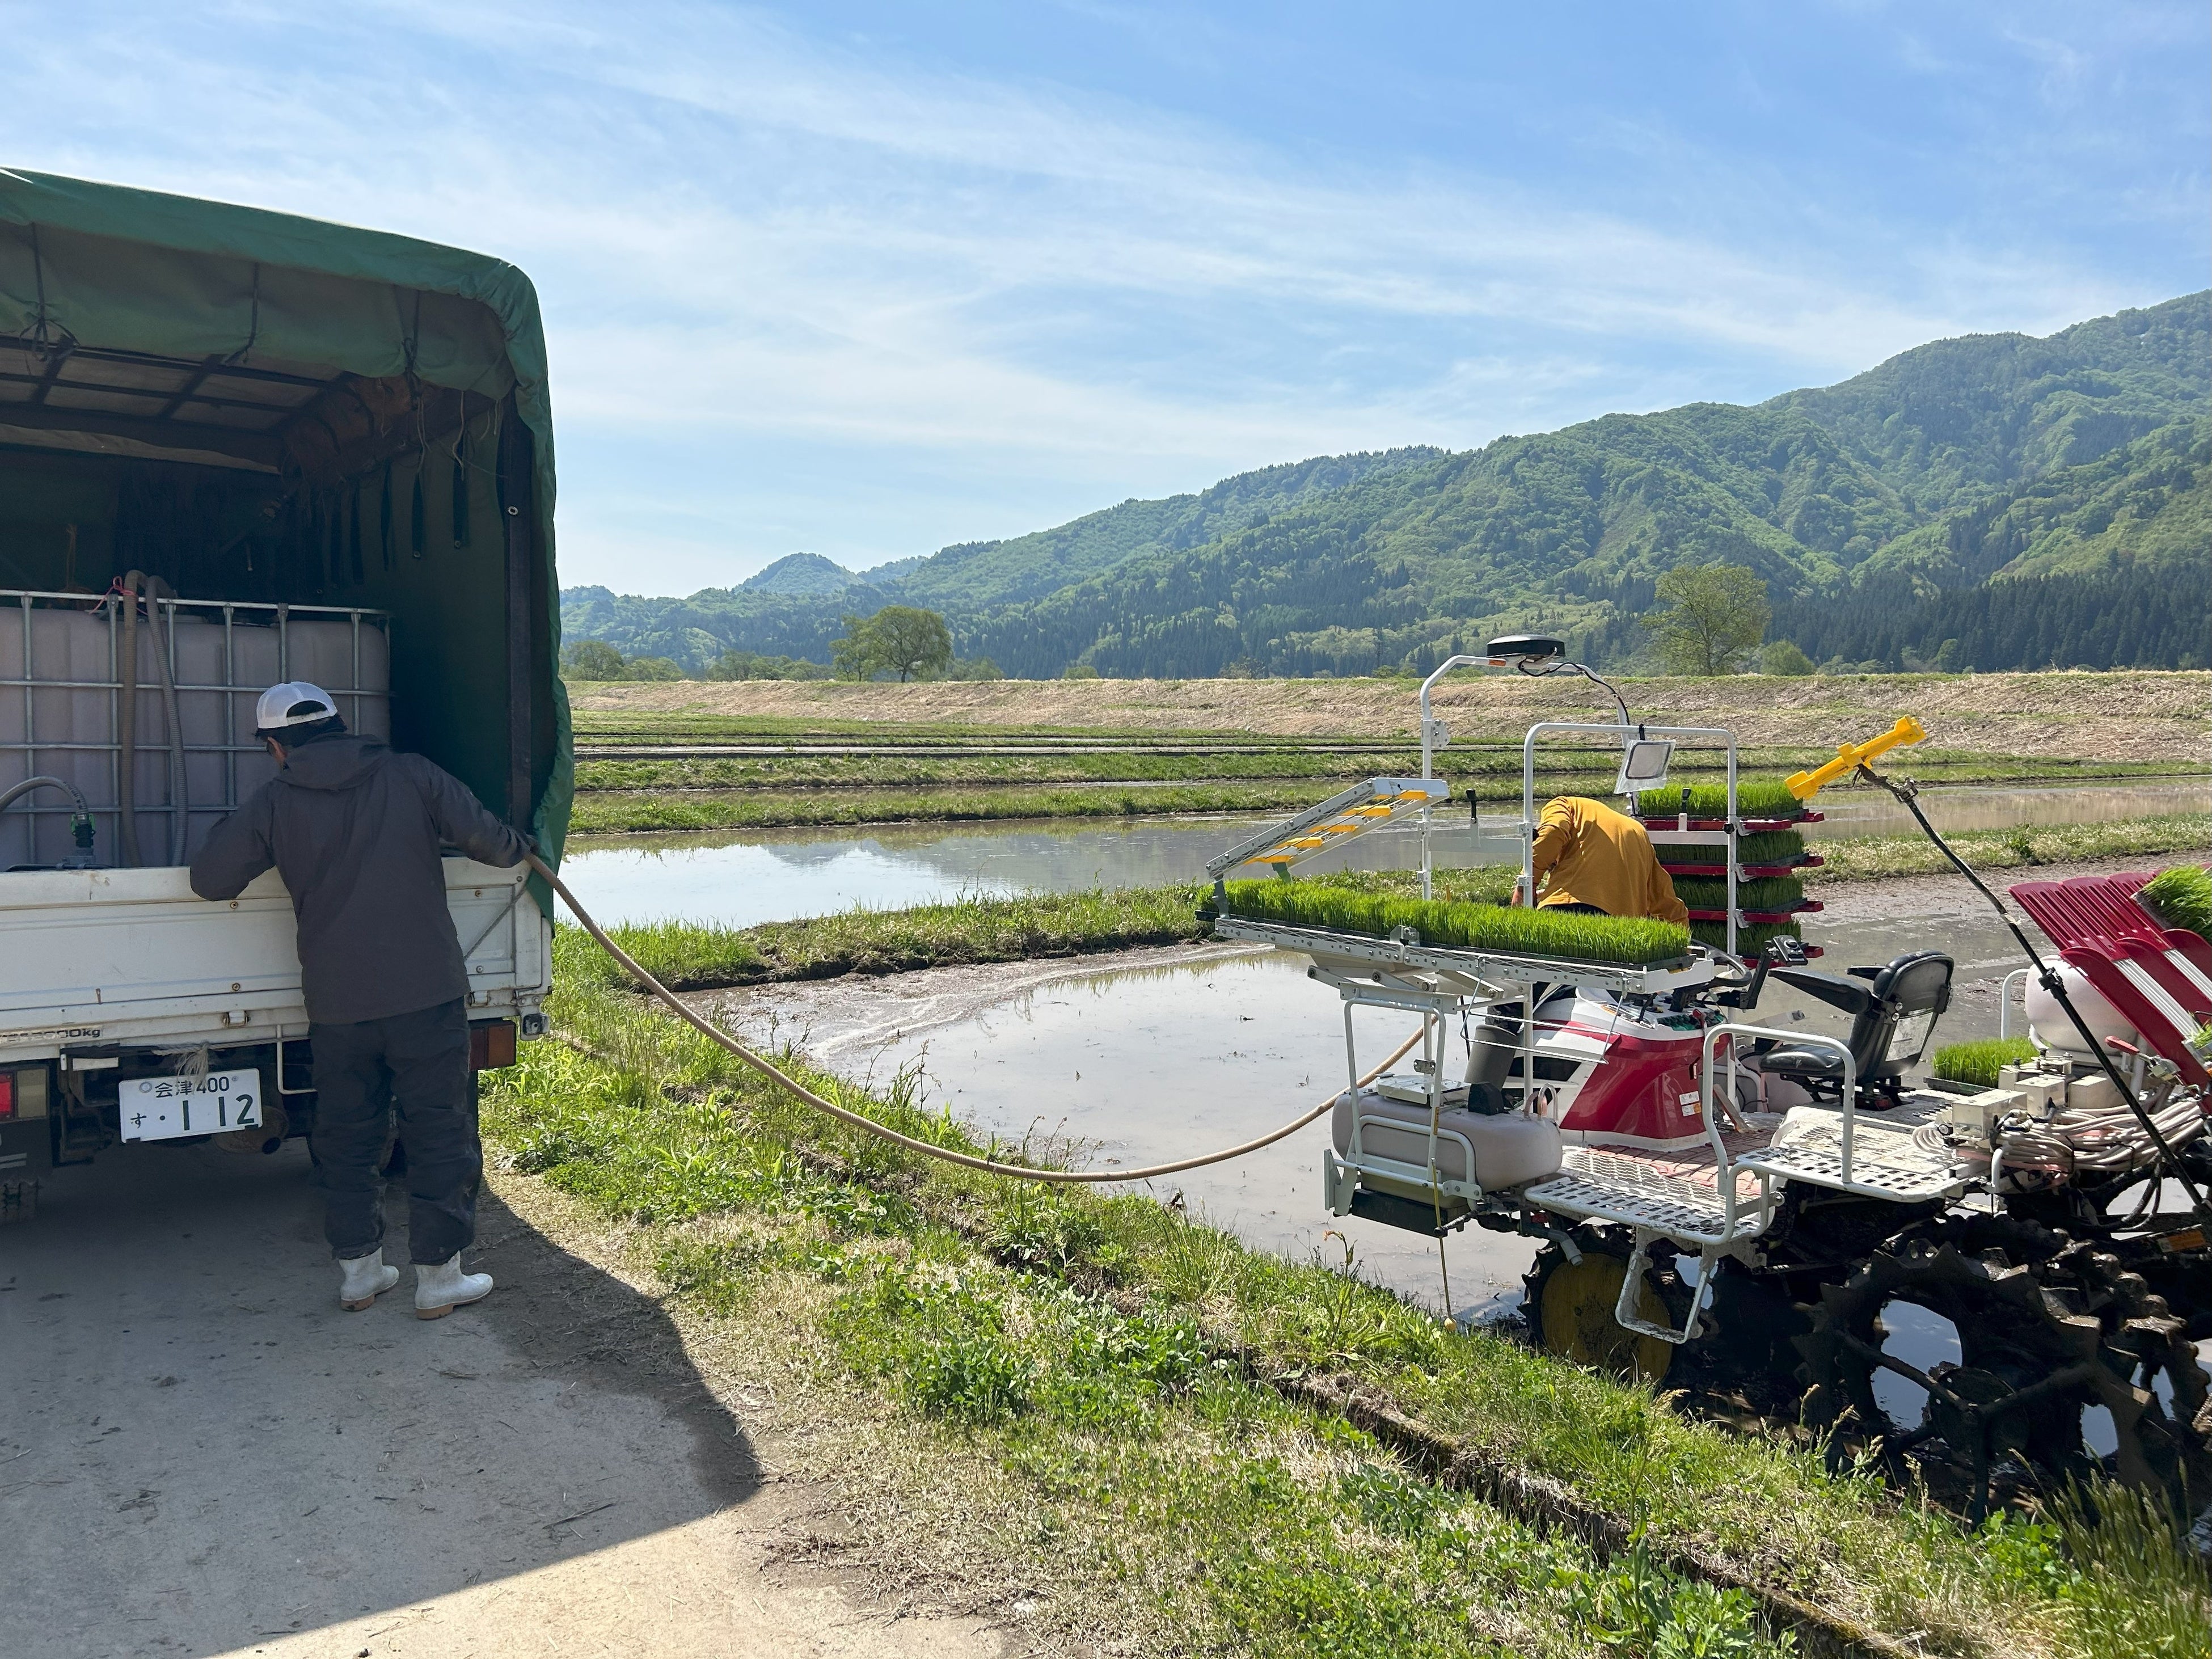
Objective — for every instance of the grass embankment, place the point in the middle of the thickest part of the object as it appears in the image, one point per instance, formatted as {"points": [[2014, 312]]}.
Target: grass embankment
{"points": [[1121, 1400], [887, 785], [690, 955]]}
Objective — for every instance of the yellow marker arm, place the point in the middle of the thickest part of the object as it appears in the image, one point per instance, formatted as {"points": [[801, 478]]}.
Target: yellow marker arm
{"points": [[1851, 756]]}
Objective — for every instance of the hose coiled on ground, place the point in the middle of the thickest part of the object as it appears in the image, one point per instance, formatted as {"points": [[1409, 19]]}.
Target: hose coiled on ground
{"points": [[791, 1085]]}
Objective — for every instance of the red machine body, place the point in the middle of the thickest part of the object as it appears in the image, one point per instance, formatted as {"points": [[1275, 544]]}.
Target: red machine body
{"points": [[1618, 1074]]}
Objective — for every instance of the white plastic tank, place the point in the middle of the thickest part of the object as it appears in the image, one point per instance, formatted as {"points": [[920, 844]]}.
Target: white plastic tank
{"points": [[1508, 1147], [2048, 1025], [61, 691]]}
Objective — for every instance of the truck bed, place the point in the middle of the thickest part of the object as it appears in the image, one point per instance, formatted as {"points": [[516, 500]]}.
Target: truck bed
{"points": [[134, 957]]}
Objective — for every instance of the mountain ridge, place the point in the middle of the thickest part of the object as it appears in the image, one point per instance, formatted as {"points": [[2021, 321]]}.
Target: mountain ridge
{"points": [[1959, 462]]}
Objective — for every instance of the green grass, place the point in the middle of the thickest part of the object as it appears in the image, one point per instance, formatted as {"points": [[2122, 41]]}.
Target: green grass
{"points": [[2182, 897], [695, 957], [1103, 1361], [1978, 1062], [614, 813], [1871, 857], [688, 956], [1456, 925]]}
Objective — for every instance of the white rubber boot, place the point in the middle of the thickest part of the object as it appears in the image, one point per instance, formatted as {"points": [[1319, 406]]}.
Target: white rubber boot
{"points": [[366, 1277], [442, 1286]]}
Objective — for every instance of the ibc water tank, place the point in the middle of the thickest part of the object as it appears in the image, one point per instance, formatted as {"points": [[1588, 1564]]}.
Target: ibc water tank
{"points": [[61, 691]]}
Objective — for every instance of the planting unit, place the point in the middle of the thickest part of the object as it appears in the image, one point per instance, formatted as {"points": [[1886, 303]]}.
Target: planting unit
{"points": [[1628, 1112]]}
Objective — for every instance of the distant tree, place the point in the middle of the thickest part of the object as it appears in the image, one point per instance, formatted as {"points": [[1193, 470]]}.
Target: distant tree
{"points": [[974, 668], [1079, 670], [591, 659], [1784, 657], [1710, 617], [652, 668], [899, 639]]}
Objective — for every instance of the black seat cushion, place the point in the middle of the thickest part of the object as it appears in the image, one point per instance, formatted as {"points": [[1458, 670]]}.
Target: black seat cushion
{"points": [[1804, 1062]]}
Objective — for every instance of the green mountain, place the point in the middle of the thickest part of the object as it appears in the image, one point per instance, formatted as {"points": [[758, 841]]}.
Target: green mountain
{"points": [[1985, 459]]}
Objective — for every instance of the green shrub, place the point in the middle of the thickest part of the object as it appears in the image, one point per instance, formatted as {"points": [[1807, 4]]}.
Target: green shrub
{"points": [[1978, 1062], [2181, 897], [1460, 926]]}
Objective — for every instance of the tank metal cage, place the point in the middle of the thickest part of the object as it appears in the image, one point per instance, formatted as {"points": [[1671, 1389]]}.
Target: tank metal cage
{"points": [[345, 649]]}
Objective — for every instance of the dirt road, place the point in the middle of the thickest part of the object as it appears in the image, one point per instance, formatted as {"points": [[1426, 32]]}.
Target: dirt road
{"points": [[200, 1454]]}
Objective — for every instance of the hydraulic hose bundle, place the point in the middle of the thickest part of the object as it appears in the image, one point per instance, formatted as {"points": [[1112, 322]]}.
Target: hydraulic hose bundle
{"points": [[2152, 1132]]}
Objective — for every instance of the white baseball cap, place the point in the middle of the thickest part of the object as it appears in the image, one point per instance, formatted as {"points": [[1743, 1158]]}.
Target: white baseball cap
{"points": [[274, 712]]}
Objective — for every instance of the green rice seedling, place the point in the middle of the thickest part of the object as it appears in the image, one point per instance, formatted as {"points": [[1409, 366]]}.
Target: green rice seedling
{"points": [[1765, 893], [1978, 1062], [1750, 939], [1767, 846], [1758, 798], [1460, 926], [2181, 897]]}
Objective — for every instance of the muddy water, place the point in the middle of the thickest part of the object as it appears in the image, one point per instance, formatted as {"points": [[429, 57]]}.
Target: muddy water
{"points": [[737, 880], [1168, 1053]]}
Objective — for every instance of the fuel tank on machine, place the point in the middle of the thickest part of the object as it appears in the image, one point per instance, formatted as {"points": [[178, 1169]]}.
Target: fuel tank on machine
{"points": [[1620, 1074]]}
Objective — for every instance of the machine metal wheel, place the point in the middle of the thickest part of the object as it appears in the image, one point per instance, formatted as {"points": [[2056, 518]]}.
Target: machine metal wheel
{"points": [[1570, 1305], [2052, 1337]]}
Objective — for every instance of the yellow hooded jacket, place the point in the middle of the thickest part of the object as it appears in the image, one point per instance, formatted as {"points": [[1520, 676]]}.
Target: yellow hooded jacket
{"points": [[1588, 853]]}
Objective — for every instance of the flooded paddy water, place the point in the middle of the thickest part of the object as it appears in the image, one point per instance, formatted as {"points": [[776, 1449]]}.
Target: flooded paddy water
{"points": [[739, 879], [1157, 1054]]}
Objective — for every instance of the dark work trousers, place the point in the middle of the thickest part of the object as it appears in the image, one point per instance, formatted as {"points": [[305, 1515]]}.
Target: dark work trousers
{"points": [[416, 1065]]}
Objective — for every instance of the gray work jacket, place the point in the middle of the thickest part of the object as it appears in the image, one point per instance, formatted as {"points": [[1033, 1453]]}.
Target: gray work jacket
{"points": [[354, 831]]}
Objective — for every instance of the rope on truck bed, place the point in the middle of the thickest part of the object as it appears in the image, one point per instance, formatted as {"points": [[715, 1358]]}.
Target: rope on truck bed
{"points": [[844, 1115]]}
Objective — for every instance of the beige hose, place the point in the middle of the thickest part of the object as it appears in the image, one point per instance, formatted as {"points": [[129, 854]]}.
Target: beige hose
{"points": [[714, 1034]]}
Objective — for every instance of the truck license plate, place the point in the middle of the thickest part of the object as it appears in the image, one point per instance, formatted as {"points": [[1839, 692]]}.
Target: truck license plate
{"points": [[163, 1108]]}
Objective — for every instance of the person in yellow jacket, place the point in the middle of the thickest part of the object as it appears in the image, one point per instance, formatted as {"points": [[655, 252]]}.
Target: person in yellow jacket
{"points": [[1589, 857]]}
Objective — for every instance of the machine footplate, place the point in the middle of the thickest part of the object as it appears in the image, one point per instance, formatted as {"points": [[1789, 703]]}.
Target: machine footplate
{"points": [[1594, 1186], [1904, 1173]]}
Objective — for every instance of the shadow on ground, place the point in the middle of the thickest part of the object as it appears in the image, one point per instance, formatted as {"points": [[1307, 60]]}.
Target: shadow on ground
{"points": [[198, 1450]]}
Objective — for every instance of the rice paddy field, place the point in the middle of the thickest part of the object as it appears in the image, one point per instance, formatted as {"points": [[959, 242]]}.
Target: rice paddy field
{"points": [[709, 763]]}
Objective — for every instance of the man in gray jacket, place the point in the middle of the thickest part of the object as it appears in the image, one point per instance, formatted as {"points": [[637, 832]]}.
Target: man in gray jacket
{"points": [[356, 831]]}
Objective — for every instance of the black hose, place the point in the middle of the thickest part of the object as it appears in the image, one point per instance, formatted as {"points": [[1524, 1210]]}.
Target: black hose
{"points": [[1907, 795]]}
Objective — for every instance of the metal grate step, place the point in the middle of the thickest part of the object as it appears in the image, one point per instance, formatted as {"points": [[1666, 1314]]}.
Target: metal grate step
{"points": [[1908, 1176], [1599, 1187]]}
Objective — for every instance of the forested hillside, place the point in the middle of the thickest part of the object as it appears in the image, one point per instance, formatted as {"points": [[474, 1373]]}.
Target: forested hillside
{"points": [[2030, 501]]}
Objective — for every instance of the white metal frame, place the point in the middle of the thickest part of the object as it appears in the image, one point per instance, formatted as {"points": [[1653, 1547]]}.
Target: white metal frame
{"points": [[2004, 1001]]}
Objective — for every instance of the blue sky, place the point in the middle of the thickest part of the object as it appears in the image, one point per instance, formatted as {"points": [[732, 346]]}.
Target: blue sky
{"points": [[867, 279]]}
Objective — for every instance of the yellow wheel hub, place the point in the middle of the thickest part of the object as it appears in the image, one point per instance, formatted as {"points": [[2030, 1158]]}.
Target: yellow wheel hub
{"points": [[1575, 1305]]}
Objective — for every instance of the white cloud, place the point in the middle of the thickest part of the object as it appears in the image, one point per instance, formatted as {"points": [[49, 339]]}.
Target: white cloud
{"points": [[740, 231]]}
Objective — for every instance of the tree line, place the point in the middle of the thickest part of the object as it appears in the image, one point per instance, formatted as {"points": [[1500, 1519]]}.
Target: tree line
{"points": [[2136, 616]]}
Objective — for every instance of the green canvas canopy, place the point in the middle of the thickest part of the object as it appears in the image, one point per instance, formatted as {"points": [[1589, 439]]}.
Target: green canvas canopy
{"points": [[265, 408]]}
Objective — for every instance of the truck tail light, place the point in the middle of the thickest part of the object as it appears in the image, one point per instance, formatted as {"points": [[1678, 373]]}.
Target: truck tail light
{"points": [[491, 1045], [6, 1093]]}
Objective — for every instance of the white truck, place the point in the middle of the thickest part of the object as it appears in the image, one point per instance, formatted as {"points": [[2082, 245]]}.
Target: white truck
{"points": [[238, 447]]}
